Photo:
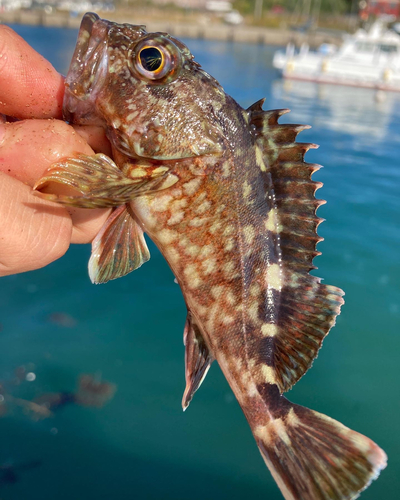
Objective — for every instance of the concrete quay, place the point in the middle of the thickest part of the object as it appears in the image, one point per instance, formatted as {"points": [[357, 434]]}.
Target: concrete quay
{"points": [[242, 33]]}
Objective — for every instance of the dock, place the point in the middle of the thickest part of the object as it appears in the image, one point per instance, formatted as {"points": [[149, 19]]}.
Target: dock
{"points": [[211, 31]]}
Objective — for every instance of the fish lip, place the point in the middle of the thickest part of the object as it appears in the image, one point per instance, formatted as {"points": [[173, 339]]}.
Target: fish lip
{"points": [[88, 67]]}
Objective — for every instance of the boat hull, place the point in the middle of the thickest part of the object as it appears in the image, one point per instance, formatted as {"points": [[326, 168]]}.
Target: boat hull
{"points": [[348, 83], [365, 59]]}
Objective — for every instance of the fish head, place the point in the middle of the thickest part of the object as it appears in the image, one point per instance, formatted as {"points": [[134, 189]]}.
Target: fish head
{"points": [[145, 89]]}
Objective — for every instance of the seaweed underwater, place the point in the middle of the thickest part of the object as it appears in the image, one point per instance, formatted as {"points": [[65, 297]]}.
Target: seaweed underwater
{"points": [[227, 197]]}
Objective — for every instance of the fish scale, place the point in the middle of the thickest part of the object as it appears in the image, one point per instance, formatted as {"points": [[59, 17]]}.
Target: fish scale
{"points": [[226, 195]]}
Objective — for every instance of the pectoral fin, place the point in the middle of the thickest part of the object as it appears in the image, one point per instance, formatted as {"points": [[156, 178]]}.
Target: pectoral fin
{"points": [[100, 182], [198, 359], [119, 247]]}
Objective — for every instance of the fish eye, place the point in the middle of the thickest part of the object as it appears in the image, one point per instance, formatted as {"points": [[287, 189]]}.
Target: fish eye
{"points": [[151, 59], [156, 58]]}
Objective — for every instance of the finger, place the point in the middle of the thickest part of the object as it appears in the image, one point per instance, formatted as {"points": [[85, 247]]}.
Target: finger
{"points": [[29, 85], [33, 232], [30, 147], [96, 138]]}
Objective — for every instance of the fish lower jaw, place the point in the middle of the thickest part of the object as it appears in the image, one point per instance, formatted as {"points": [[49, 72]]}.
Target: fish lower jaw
{"points": [[79, 111]]}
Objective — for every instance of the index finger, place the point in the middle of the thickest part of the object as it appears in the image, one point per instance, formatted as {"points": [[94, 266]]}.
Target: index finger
{"points": [[29, 85]]}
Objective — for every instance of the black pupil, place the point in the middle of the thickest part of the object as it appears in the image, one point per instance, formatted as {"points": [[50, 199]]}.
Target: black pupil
{"points": [[151, 59]]}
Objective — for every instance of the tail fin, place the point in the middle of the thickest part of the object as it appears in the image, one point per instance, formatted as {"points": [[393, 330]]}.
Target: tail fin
{"points": [[313, 457]]}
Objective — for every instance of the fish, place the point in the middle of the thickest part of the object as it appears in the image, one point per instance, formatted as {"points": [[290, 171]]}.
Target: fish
{"points": [[226, 195]]}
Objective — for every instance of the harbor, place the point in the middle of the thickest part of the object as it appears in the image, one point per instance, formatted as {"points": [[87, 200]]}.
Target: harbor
{"points": [[200, 29], [369, 58]]}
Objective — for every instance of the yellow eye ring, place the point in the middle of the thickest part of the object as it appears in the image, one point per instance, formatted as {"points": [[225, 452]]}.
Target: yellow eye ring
{"points": [[156, 58], [151, 59], [153, 62]]}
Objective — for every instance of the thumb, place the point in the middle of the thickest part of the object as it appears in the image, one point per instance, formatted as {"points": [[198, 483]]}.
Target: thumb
{"points": [[33, 232], [28, 148]]}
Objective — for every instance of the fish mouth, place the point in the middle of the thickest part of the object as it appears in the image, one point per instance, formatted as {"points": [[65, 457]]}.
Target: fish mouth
{"points": [[87, 71]]}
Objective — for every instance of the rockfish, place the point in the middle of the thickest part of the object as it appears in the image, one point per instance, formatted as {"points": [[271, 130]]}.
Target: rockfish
{"points": [[228, 199]]}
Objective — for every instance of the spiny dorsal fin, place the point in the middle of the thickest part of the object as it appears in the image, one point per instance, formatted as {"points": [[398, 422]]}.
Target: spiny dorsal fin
{"points": [[307, 308]]}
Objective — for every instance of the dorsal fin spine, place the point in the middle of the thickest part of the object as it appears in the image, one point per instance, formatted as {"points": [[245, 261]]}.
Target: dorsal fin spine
{"points": [[307, 308]]}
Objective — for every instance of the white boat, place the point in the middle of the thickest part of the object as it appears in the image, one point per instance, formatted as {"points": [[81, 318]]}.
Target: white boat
{"points": [[365, 59]]}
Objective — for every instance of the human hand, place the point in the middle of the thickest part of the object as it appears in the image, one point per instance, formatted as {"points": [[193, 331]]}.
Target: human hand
{"points": [[34, 231]]}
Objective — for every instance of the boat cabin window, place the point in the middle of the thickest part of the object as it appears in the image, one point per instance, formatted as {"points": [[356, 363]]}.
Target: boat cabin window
{"points": [[389, 49], [365, 47]]}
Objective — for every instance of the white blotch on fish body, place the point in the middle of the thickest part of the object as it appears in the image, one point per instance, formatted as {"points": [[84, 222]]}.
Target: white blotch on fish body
{"points": [[204, 207], [198, 222], [176, 218], [246, 189], [269, 330], [209, 265], [249, 234], [173, 256], [226, 169], [229, 268], [215, 226], [271, 224], [192, 250], [255, 289], [206, 250], [192, 186], [274, 277], [162, 203], [252, 311], [260, 159], [268, 373], [167, 236], [227, 320], [192, 276], [229, 245], [268, 433], [217, 291]]}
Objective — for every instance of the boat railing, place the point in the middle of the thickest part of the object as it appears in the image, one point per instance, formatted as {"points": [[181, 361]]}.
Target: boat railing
{"points": [[304, 48], [290, 50]]}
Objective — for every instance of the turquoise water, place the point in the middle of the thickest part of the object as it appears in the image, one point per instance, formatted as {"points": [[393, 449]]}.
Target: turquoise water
{"points": [[140, 445]]}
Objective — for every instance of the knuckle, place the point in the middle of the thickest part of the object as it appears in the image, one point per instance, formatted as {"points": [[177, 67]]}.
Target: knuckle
{"points": [[27, 253], [64, 141], [52, 246]]}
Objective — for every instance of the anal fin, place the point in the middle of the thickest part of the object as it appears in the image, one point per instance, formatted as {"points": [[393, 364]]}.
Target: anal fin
{"points": [[119, 247], [198, 359]]}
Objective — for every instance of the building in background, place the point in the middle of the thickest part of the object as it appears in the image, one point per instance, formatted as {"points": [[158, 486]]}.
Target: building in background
{"points": [[379, 8]]}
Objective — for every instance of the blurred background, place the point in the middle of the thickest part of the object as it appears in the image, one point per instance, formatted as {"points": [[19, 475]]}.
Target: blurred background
{"points": [[91, 377]]}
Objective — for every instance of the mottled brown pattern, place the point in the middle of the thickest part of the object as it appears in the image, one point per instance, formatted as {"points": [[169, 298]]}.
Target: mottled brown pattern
{"points": [[226, 195]]}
